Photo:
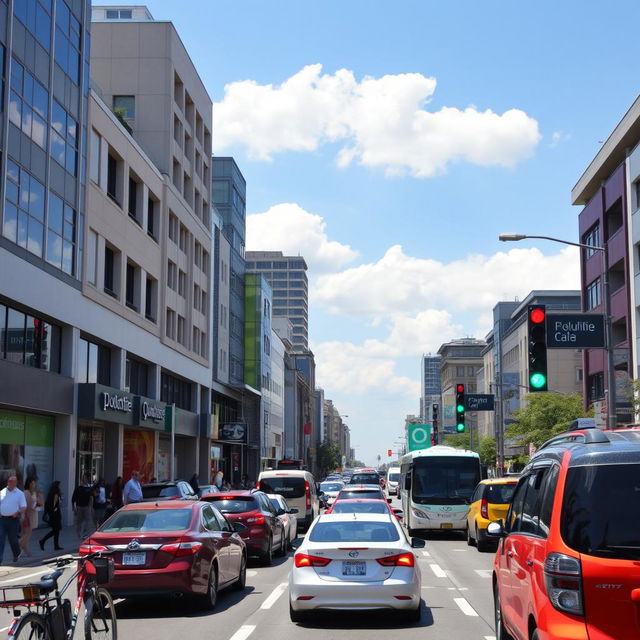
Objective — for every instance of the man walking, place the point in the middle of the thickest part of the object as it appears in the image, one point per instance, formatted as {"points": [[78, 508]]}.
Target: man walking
{"points": [[12, 506], [82, 503], [132, 490]]}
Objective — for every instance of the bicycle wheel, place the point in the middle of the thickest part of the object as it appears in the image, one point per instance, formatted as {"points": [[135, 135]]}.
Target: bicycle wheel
{"points": [[32, 626], [100, 616]]}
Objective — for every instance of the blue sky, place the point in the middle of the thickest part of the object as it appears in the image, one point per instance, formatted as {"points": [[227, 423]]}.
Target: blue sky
{"points": [[393, 179]]}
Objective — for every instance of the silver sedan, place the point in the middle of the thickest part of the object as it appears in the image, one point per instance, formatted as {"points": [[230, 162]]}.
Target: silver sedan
{"points": [[360, 561], [287, 516]]}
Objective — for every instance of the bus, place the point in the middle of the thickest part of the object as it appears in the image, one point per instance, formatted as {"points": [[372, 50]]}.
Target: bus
{"points": [[436, 485], [291, 464]]}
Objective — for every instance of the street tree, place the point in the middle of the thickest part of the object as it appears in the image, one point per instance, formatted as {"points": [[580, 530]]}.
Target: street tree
{"points": [[458, 440], [487, 451], [329, 456]]}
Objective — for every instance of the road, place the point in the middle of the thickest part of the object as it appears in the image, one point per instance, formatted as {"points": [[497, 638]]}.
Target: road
{"points": [[456, 589]]}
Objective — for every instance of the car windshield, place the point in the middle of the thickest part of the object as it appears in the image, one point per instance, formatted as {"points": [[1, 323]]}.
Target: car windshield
{"points": [[365, 478], [444, 479], [237, 504], [357, 531], [362, 493], [285, 486], [360, 507], [500, 493], [600, 512], [331, 486], [393, 477], [148, 520], [160, 491]]}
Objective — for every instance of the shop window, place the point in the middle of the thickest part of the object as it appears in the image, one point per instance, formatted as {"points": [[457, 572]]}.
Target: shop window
{"points": [[94, 363], [90, 452]]}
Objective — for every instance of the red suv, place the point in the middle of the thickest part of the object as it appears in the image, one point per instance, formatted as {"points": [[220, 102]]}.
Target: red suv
{"points": [[568, 559], [264, 534]]}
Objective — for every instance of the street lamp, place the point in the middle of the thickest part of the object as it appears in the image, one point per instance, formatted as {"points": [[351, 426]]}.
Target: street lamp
{"points": [[611, 377]]}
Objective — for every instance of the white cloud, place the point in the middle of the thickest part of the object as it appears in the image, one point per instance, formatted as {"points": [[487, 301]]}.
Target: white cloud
{"points": [[401, 284], [557, 137], [381, 121], [287, 227]]}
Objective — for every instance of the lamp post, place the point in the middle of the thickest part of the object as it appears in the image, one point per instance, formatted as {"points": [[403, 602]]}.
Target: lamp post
{"points": [[611, 377]]}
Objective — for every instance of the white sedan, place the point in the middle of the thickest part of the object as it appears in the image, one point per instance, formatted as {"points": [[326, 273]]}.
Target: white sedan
{"points": [[355, 561], [287, 516], [331, 490]]}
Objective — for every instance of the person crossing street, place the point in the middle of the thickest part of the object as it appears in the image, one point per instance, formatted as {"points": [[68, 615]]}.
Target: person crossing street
{"points": [[12, 508]]}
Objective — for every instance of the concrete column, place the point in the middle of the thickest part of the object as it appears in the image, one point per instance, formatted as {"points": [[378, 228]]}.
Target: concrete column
{"points": [[140, 290], [100, 263], [69, 355], [104, 160], [118, 367], [154, 381]]}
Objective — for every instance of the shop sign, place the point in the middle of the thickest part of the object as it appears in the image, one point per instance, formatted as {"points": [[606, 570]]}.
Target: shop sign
{"points": [[116, 402], [98, 402], [233, 431], [149, 413]]}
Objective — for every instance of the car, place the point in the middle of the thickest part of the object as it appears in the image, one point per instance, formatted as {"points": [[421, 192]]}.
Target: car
{"points": [[629, 432], [364, 505], [568, 558], [393, 478], [365, 477], [264, 532], [174, 547], [207, 488], [361, 491], [287, 516], [490, 501], [333, 477], [330, 489], [355, 561], [170, 490]]}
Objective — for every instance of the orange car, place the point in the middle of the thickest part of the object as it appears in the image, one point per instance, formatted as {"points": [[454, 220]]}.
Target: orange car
{"points": [[568, 558]]}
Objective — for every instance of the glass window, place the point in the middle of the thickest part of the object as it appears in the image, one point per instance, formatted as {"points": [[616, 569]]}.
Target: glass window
{"points": [[220, 192], [61, 234], [15, 335], [149, 520], [28, 104], [359, 531], [95, 145], [125, 106], [532, 500], [549, 493], [64, 138], [514, 516], [3, 333]]}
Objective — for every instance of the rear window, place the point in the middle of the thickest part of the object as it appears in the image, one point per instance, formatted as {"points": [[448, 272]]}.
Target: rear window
{"points": [[393, 477], [160, 492], [360, 507], [600, 512], [331, 486], [284, 486], [354, 532], [234, 505], [365, 478], [363, 493], [148, 520], [500, 493]]}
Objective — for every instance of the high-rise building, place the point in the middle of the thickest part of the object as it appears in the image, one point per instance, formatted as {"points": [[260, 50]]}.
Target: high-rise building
{"points": [[430, 379], [287, 276]]}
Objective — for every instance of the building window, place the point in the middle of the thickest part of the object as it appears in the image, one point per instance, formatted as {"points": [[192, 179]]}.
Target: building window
{"points": [[171, 324], [36, 18], [184, 237], [172, 275], [195, 344], [220, 192], [134, 211], [592, 238], [152, 205], [132, 297], [112, 178], [61, 234], [151, 299], [94, 363], [92, 254], [196, 296], [137, 377], [67, 42], [197, 254], [28, 104], [203, 344], [182, 283], [180, 336], [110, 271], [64, 138], [592, 296], [204, 303], [173, 228], [125, 106], [175, 391], [119, 14], [95, 146]]}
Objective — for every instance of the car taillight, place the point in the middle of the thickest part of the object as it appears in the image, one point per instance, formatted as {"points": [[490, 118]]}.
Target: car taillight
{"points": [[259, 519], [401, 560], [181, 549], [258, 486], [484, 509], [307, 490], [563, 582], [304, 560], [91, 547]]}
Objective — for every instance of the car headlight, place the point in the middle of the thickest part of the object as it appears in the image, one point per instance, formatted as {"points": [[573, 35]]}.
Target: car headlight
{"points": [[418, 513]]}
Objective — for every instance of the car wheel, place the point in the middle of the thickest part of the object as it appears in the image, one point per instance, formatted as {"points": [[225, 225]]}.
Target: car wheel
{"points": [[210, 599], [470, 540], [241, 582], [501, 632], [267, 557], [481, 543], [296, 616]]}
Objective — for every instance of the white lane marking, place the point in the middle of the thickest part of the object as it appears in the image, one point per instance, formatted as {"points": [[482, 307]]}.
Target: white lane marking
{"points": [[275, 594], [465, 607], [243, 632], [251, 573], [3, 630], [426, 554], [484, 573], [21, 578], [438, 570], [489, 638]]}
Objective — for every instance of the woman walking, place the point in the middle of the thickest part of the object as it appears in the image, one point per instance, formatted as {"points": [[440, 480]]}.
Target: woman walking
{"points": [[30, 518], [53, 515]]}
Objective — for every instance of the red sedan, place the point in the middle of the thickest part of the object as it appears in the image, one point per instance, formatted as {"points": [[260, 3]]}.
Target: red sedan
{"points": [[171, 548]]}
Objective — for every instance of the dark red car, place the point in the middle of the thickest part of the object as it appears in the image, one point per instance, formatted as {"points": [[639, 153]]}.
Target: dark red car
{"points": [[175, 547], [264, 534]]}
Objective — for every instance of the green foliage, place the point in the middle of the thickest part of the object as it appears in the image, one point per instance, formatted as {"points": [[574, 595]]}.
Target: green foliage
{"points": [[329, 457], [487, 451], [354, 464], [458, 440], [546, 415]]}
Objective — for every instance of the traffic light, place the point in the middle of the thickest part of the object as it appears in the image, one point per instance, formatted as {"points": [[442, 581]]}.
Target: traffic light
{"points": [[537, 327], [460, 425], [389, 452]]}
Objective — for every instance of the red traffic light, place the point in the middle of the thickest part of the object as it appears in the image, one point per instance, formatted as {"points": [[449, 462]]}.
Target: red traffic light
{"points": [[537, 316], [460, 388], [389, 452]]}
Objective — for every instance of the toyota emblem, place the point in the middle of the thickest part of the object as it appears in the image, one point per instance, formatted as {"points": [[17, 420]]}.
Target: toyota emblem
{"points": [[353, 554], [133, 545], [446, 509]]}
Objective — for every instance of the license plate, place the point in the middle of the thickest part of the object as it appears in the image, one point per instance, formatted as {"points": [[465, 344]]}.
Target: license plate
{"points": [[134, 558], [354, 568], [446, 525]]}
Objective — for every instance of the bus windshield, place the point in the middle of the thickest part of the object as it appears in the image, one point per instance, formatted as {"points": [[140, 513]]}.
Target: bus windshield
{"points": [[444, 479]]}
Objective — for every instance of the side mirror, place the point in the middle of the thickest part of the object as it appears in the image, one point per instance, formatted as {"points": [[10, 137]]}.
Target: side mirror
{"points": [[293, 511], [389, 500], [238, 526], [295, 544], [418, 543], [280, 512], [496, 529]]}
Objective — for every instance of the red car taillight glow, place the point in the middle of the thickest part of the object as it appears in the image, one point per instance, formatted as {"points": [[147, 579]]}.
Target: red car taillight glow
{"points": [[484, 509], [401, 560], [563, 582], [91, 547], [307, 490], [303, 560], [181, 549]]}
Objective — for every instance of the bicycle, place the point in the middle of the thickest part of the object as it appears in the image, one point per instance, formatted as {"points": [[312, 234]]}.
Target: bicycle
{"points": [[48, 617]]}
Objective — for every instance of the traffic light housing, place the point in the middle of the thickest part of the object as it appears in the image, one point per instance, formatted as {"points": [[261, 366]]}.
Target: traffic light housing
{"points": [[460, 403], [537, 333]]}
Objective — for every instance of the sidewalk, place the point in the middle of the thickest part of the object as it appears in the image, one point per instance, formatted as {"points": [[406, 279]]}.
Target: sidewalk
{"points": [[68, 540]]}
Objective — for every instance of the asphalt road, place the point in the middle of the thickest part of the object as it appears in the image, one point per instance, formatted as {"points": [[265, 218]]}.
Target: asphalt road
{"points": [[456, 591]]}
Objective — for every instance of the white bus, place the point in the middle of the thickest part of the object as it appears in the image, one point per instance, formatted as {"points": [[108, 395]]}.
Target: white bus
{"points": [[436, 485]]}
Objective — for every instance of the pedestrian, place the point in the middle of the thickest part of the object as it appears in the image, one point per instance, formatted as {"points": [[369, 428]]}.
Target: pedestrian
{"points": [[30, 517], [53, 515], [116, 494], [12, 507], [82, 503], [132, 490], [218, 481], [99, 501], [194, 483]]}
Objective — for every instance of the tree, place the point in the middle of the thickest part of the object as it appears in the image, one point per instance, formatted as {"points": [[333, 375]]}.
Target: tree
{"points": [[329, 457], [487, 451], [458, 440], [356, 463], [546, 415]]}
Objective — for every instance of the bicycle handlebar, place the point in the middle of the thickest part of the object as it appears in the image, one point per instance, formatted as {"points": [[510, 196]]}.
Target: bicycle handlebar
{"points": [[62, 561]]}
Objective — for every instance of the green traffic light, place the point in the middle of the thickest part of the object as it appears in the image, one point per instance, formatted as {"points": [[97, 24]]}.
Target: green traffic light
{"points": [[537, 380], [460, 408], [460, 428]]}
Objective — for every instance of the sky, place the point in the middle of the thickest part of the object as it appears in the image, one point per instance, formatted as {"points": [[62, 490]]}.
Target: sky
{"points": [[390, 144]]}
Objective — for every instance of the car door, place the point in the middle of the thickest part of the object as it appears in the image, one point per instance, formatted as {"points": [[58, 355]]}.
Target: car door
{"points": [[220, 542], [274, 521], [234, 545], [474, 508]]}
